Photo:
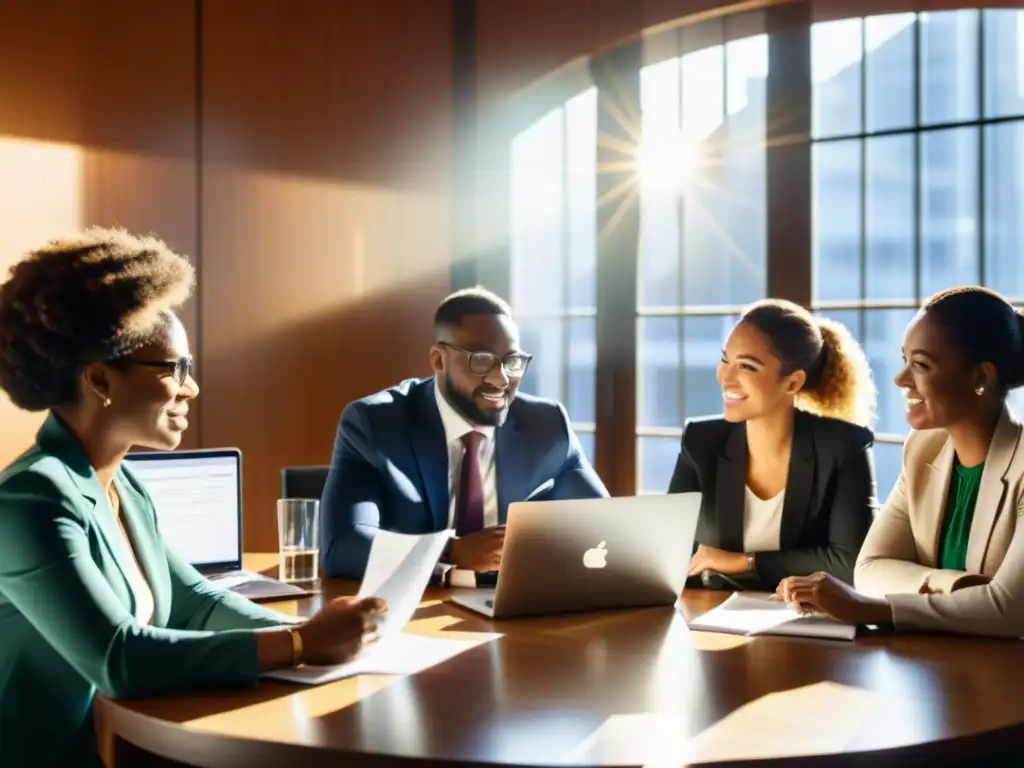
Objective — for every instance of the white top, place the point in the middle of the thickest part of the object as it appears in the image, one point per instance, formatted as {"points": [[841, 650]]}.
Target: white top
{"points": [[455, 426], [144, 604], [762, 522]]}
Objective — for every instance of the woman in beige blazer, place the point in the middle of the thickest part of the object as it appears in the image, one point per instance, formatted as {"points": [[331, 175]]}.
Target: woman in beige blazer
{"points": [[946, 552]]}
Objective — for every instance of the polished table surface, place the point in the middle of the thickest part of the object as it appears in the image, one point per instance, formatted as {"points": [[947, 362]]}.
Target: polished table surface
{"points": [[633, 687]]}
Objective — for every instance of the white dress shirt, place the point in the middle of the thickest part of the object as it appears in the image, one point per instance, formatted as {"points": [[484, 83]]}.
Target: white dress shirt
{"points": [[455, 427], [762, 522]]}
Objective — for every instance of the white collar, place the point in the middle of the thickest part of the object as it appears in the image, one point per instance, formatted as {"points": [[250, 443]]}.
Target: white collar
{"points": [[455, 424]]}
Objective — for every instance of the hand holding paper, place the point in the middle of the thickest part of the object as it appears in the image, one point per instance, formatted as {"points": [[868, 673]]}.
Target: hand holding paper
{"points": [[397, 573], [340, 630]]}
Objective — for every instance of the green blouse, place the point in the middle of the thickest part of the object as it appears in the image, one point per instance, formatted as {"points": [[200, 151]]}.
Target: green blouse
{"points": [[956, 529]]}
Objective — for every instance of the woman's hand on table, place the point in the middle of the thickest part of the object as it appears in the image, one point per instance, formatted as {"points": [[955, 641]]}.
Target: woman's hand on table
{"points": [[824, 593], [718, 560]]}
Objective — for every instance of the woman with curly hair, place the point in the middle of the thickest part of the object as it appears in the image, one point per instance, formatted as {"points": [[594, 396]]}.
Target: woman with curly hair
{"points": [[90, 597], [786, 473]]}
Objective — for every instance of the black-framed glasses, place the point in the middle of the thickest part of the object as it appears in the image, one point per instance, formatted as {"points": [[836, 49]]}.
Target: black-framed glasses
{"points": [[481, 363], [179, 369]]}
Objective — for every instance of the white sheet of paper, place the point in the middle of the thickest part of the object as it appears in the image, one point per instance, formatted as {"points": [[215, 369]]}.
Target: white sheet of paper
{"points": [[398, 571], [397, 654], [752, 613]]}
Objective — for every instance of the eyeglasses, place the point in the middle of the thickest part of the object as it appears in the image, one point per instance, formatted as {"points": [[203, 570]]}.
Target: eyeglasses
{"points": [[179, 369], [514, 364]]}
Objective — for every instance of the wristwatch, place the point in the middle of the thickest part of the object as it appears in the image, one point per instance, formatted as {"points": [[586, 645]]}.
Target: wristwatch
{"points": [[751, 564]]}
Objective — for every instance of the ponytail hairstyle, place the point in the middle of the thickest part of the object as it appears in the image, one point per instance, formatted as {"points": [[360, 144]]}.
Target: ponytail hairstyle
{"points": [[985, 328], [839, 383]]}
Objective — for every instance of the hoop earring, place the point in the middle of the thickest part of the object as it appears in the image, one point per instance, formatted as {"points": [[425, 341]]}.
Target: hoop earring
{"points": [[979, 391]]}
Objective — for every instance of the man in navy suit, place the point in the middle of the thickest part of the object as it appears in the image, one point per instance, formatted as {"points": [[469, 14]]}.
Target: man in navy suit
{"points": [[452, 451]]}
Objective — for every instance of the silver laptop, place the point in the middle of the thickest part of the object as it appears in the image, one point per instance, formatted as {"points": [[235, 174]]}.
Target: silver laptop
{"points": [[198, 500], [563, 556]]}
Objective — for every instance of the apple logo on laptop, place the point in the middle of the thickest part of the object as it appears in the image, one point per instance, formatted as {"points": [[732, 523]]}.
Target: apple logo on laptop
{"points": [[596, 557]]}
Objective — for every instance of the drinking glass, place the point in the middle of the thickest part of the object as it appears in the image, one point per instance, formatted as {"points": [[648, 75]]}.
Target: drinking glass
{"points": [[298, 536]]}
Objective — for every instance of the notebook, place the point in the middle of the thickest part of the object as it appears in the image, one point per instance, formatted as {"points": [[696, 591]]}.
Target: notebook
{"points": [[755, 613]]}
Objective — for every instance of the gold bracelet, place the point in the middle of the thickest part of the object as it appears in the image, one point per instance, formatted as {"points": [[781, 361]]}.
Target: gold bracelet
{"points": [[296, 647]]}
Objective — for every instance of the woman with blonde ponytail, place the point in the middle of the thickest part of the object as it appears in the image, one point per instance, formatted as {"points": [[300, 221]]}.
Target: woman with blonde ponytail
{"points": [[786, 472]]}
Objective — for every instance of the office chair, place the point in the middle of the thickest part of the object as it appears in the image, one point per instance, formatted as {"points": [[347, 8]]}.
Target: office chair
{"points": [[303, 482]]}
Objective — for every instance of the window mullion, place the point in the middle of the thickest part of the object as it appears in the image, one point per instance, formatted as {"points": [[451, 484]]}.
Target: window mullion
{"points": [[788, 152]]}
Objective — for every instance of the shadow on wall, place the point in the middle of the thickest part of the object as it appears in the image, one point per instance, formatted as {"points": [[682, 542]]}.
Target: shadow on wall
{"points": [[278, 396], [331, 77]]}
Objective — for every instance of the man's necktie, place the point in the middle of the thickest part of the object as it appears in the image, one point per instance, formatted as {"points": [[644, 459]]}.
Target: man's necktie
{"points": [[469, 505]]}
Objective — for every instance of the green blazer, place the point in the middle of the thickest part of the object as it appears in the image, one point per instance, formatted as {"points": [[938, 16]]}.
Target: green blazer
{"points": [[67, 626]]}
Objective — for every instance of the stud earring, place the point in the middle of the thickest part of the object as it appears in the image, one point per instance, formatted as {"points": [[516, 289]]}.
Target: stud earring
{"points": [[106, 403], [979, 391]]}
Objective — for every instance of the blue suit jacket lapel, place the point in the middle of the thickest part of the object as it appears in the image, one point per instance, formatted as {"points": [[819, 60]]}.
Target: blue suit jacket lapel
{"points": [[512, 460], [431, 452]]}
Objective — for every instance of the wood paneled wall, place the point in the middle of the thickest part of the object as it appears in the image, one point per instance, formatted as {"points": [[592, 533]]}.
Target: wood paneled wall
{"points": [[298, 150], [325, 219]]}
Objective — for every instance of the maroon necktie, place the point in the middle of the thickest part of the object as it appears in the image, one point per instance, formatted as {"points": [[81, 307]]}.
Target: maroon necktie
{"points": [[469, 505]]}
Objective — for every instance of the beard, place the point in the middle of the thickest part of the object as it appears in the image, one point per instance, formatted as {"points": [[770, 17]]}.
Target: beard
{"points": [[469, 410]]}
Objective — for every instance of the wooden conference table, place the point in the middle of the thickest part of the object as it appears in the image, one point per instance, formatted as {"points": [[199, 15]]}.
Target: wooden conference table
{"points": [[632, 687]]}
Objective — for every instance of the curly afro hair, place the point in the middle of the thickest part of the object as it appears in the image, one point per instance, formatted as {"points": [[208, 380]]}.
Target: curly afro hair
{"points": [[94, 296]]}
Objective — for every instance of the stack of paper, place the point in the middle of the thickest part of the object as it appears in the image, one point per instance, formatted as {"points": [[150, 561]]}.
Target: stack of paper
{"points": [[398, 571], [752, 613]]}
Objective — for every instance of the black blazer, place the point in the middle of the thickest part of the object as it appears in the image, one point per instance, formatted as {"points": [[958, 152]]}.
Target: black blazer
{"points": [[830, 494]]}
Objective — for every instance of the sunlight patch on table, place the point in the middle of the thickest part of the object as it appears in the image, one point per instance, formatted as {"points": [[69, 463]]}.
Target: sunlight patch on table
{"points": [[438, 626], [287, 718], [801, 721], [717, 641]]}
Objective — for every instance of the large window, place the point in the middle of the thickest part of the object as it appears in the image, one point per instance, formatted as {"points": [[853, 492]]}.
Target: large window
{"points": [[702, 232], [554, 256], [912, 156], [918, 156]]}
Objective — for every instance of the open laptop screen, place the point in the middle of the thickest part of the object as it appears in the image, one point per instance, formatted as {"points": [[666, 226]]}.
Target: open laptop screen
{"points": [[197, 495]]}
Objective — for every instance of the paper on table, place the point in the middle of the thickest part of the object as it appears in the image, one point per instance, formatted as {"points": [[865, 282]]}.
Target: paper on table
{"points": [[397, 654], [398, 571], [754, 613]]}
